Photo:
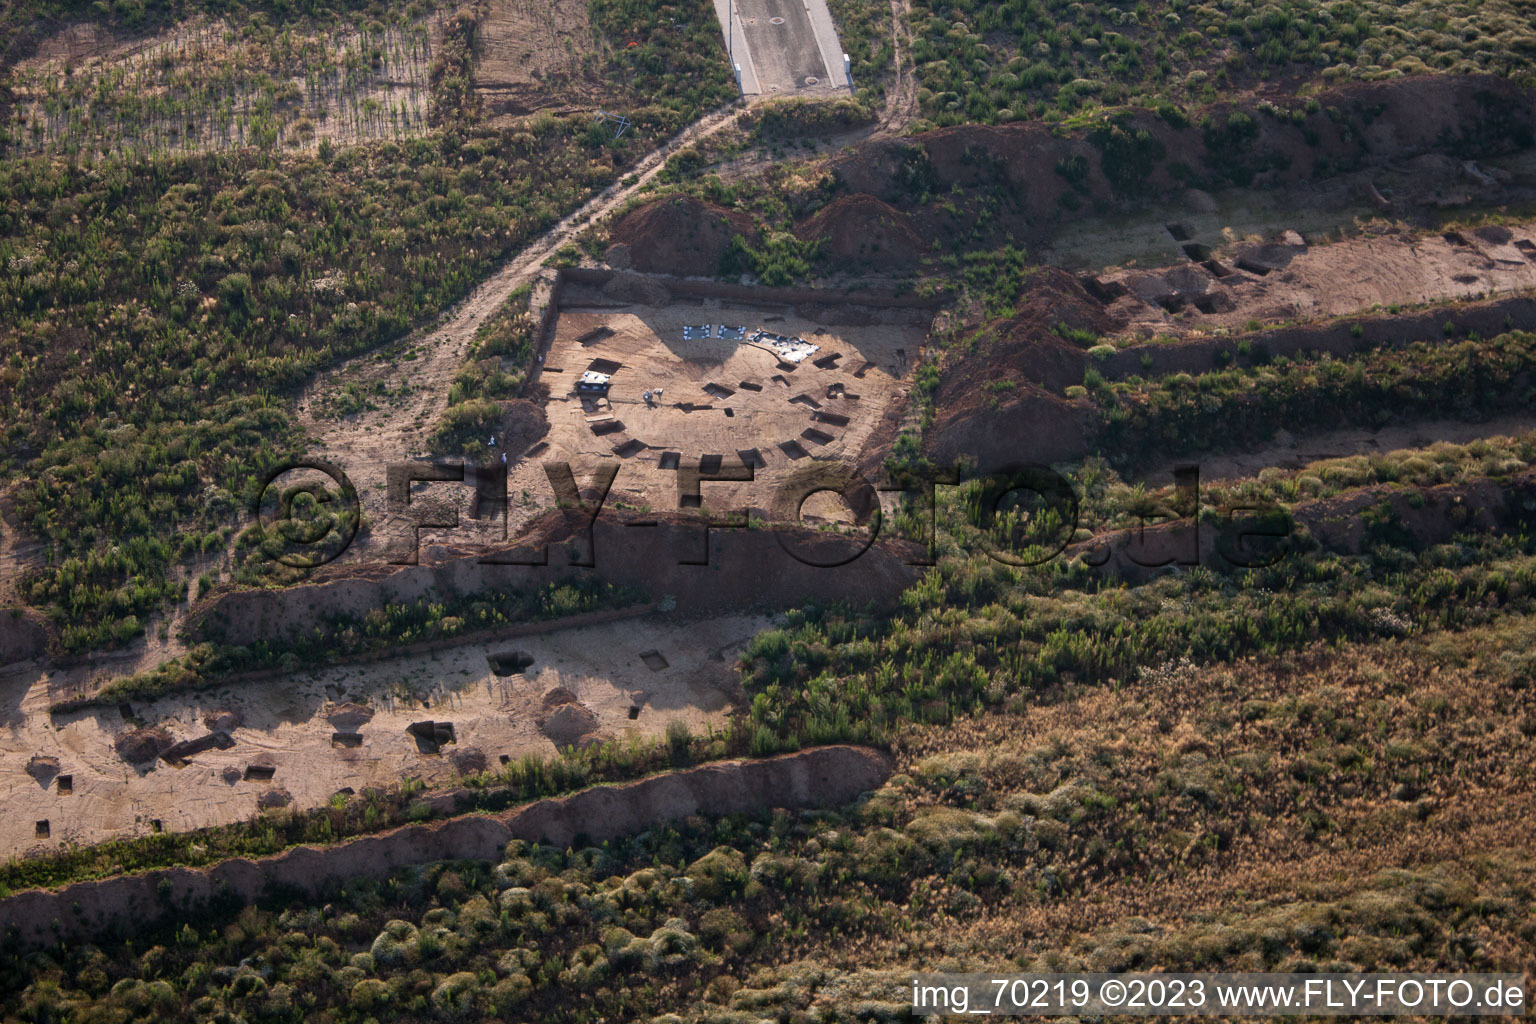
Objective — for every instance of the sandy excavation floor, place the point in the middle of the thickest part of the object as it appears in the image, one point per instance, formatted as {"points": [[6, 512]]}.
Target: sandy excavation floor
{"points": [[1226, 284], [610, 669], [722, 401]]}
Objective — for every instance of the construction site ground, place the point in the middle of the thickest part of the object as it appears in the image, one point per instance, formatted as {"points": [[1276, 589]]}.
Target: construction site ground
{"points": [[723, 402], [629, 678]]}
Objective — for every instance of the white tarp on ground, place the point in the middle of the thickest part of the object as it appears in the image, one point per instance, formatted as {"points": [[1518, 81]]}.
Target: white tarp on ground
{"points": [[791, 350]]}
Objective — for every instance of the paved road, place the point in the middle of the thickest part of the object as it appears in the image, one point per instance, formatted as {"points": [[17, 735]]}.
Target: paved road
{"points": [[784, 47]]}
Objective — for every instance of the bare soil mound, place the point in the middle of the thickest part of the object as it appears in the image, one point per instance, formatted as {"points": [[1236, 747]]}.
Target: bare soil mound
{"points": [[683, 236], [523, 424], [860, 232], [1043, 179], [996, 405], [23, 635], [141, 746]]}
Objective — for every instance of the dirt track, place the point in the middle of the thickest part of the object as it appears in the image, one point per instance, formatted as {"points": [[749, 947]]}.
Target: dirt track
{"points": [[363, 444]]}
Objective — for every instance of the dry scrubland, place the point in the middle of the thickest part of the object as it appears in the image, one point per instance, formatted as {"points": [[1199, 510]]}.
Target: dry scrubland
{"points": [[1323, 763], [1327, 810], [207, 85]]}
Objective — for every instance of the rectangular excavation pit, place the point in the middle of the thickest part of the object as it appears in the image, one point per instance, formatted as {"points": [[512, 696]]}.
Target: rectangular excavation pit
{"points": [[607, 366], [602, 427], [596, 334], [1526, 246], [828, 362], [806, 400], [509, 663], [691, 407], [717, 391], [1172, 303], [259, 772], [778, 379], [861, 371], [629, 449], [634, 712], [748, 385], [835, 419], [815, 436], [788, 367], [156, 825], [751, 457], [793, 449], [1217, 268], [1244, 263], [669, 460], [1455, 238], [432, 733], [346, 739], [538, 449], [729, 412], [42, 829], [1104, 291], [1179, 232], [654, 660], [66, 784], [709, 465], [1197, 252]]}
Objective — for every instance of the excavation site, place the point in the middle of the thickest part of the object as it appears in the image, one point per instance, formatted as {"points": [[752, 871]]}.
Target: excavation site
{"points": [[706, 512]]}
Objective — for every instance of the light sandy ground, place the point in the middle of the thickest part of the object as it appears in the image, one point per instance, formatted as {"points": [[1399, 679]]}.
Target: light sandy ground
{"points": [[1322, 210], [285, 725], [1359, 273], [648, 344]]}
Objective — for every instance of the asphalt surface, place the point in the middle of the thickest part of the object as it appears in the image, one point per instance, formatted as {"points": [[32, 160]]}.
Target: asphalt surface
{"points": [[784, 47]]}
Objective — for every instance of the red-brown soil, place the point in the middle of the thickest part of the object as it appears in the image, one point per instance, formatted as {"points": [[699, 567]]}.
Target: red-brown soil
{"points": [[999, 404], [683, 236], [861, 233], [1354, 127]]}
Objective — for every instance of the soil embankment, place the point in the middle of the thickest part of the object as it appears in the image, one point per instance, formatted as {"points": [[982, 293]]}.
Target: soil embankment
{"points": [[24, 635], [820, 777], [1044, 178], [1030, 421], [705, 569], [1347, 523]]}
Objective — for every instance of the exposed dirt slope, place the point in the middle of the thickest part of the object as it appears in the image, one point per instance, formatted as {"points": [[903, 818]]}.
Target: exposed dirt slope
{"points": [[746, 569], [1043, 178], [861, 233], [820, 777], [680, 235], [366, 443]]}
